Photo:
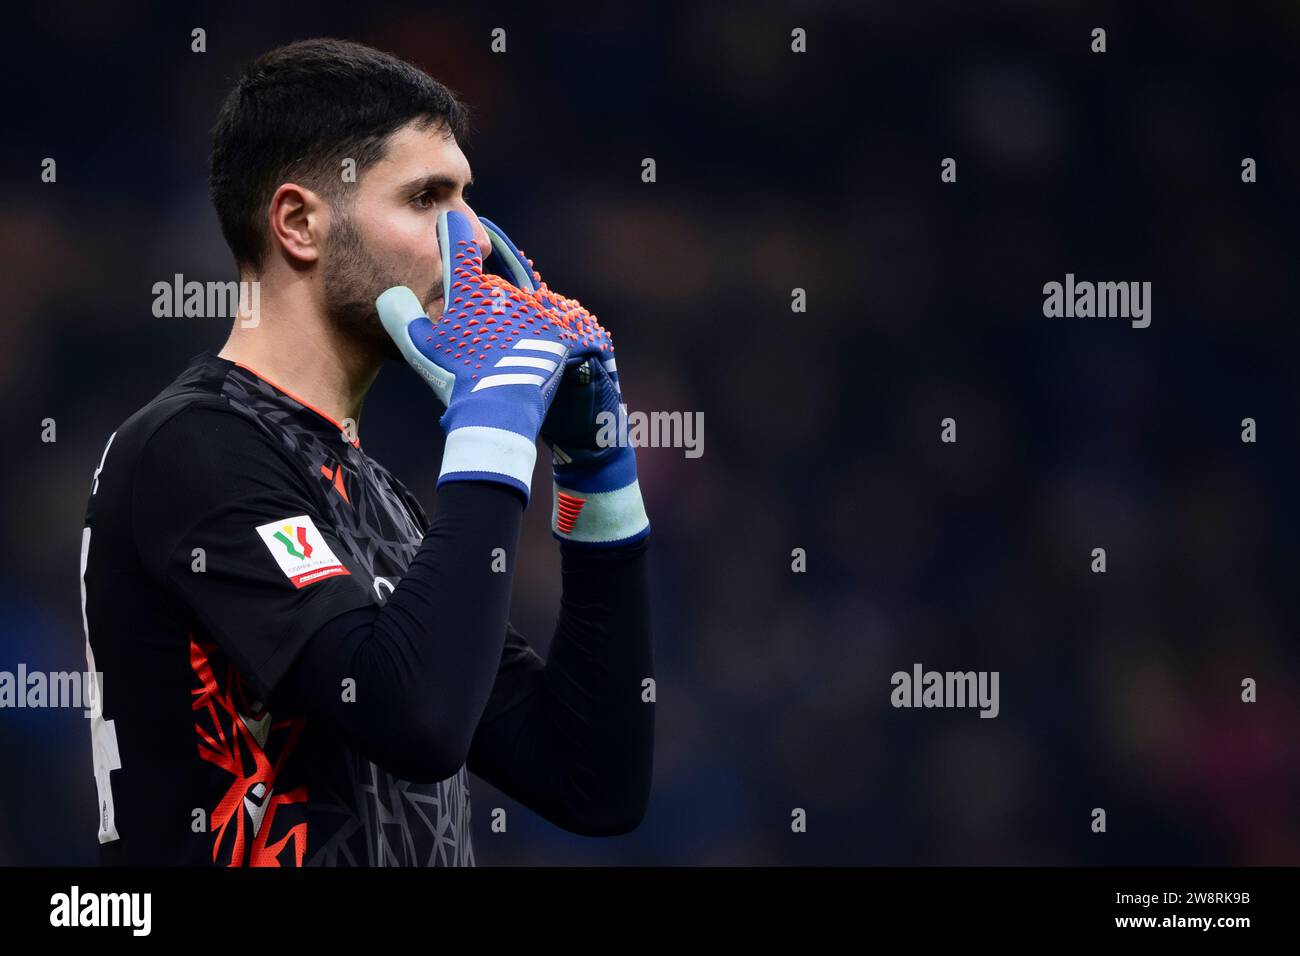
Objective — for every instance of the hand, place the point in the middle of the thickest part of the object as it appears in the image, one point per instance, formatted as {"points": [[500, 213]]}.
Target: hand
{"points": [[597, 498], [494, 359]]}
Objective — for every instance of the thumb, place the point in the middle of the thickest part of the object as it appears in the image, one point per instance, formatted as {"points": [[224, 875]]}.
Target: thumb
{"points": [[461, 258]]}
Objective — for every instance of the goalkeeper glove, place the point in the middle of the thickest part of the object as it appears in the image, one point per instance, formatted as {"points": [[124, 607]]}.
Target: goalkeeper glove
{"points": [[494, 358], [596, 499]]}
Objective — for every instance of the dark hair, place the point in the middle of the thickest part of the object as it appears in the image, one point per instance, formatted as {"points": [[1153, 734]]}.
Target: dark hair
{"points": [[297, 112]]}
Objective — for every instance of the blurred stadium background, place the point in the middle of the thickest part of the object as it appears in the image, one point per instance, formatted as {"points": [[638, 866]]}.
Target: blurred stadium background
{"points": [[777, 171]]}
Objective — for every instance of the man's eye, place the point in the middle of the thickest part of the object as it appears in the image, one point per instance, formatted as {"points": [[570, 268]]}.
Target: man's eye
{"points": [[423, 201]]}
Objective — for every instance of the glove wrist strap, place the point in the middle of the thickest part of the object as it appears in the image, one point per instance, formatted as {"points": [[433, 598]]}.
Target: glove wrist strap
{"points": [[603, 518], [482, 453]]}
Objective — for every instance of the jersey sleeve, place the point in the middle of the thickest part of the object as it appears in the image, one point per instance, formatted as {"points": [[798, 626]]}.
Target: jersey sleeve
{"points": [[230, 530]]}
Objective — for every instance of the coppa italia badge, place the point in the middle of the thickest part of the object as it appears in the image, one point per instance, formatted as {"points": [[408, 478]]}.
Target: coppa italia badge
{"points": [[300, 550]]}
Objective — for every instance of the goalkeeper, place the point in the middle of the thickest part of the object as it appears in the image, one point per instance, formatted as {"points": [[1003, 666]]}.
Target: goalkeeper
{"points": [[300, 667]]}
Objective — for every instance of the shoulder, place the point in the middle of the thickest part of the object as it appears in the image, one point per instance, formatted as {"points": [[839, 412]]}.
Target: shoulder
{"points": [[185, 455], [180, 434], [191, 408], [198, 469], [189, 449]]}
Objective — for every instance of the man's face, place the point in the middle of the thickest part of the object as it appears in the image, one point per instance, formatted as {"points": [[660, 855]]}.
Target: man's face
{"points": [[388, 234]]}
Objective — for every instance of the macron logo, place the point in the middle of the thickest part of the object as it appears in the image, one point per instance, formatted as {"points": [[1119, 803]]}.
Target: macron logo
{"points": [[102, 909]]}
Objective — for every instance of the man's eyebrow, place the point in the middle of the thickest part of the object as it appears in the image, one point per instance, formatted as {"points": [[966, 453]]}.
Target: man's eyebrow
{"points": [[434, 181]]}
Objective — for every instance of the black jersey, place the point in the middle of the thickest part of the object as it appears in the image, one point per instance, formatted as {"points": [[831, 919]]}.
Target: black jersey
{"points": [[227, 522]]}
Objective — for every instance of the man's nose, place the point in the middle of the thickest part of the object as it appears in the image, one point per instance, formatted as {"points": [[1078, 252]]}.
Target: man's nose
{"points": [[480, 234]]}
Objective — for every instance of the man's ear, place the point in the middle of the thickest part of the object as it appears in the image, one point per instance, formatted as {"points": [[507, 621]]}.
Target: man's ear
{"points": [[298, 218]]}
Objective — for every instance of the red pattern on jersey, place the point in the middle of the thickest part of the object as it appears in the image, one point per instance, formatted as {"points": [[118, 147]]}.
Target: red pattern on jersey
{"points": [[226, 741]]}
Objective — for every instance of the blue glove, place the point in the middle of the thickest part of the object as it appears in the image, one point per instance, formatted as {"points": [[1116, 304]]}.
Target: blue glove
{"points": [[494, 358], [596, 498]]}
